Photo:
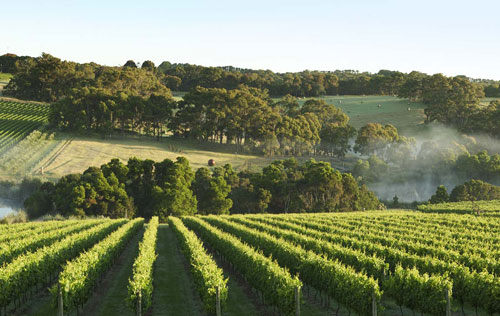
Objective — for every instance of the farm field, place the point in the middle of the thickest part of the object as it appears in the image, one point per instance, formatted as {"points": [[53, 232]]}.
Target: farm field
{"points": [[392, 110], [75, 153], [397, 262]]}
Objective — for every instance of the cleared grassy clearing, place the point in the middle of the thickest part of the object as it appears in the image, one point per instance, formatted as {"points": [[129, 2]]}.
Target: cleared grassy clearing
{"points": [[79, 153]]}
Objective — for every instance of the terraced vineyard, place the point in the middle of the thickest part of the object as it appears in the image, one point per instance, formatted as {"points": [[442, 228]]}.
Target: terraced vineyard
{"points": [[18, 119], [360, 263]]}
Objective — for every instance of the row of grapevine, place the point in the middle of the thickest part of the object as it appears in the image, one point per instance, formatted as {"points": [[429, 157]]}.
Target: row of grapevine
{"points": [[421, 233], [423, 293], [320, 246], [207, 275], [373, 266], [426, 231], [37, 267], [45, 227], [37, 109], [468, 256], [12, 249], [19, 227], [20, 158], [275, 283], [463, 279], [80, 276], [18, 119], [355, 290], [140, 288]]}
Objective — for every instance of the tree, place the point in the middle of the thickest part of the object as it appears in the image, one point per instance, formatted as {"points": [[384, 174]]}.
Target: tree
{"points": [[395, 201], [148, 65], [211, 193], [172, 194], [41, 201], [130, 64], [441, 195], [249, 199], [69, 196], [374, 137]]}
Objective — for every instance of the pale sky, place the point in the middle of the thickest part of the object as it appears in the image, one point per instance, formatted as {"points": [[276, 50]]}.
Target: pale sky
{"points": [[450, 37]]}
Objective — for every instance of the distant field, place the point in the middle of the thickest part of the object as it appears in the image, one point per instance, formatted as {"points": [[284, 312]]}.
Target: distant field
{"points": [[68, 154], [4, 80], [75, 154], [486, 101], [392, 110]]}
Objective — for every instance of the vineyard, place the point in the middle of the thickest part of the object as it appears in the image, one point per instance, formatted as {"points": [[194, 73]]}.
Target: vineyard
{"points": [[18, 119], [488, 208], [360, 263]]}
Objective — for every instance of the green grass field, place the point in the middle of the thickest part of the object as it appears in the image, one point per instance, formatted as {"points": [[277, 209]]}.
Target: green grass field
{"points": [[392, 110], [4, 77]]}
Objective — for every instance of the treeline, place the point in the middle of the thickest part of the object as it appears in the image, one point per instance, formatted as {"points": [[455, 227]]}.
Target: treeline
{"points": [[454, 101], [185, 77], [48, 79], [95, 97], [473, 190], [244, 117], [146, 188], [492, 90]]}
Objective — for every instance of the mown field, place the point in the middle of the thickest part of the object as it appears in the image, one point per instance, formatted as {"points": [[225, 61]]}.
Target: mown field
{"points": [[359, 263], [392, 110]]}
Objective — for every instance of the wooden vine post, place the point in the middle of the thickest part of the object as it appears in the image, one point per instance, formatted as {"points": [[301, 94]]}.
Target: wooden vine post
{"points": [[217, 301], [297, 301], [60, 311], [139, 304], [448, 302], [374, 305]]}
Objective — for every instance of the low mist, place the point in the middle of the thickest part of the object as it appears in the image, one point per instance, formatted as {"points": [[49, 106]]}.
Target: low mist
{"points": [[416, 175]]}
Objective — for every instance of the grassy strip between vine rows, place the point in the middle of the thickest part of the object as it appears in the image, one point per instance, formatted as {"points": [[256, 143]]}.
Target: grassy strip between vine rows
{"points": [[480, 289], [350, 288], [207, 275], [274, 282], [80, 276]]}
